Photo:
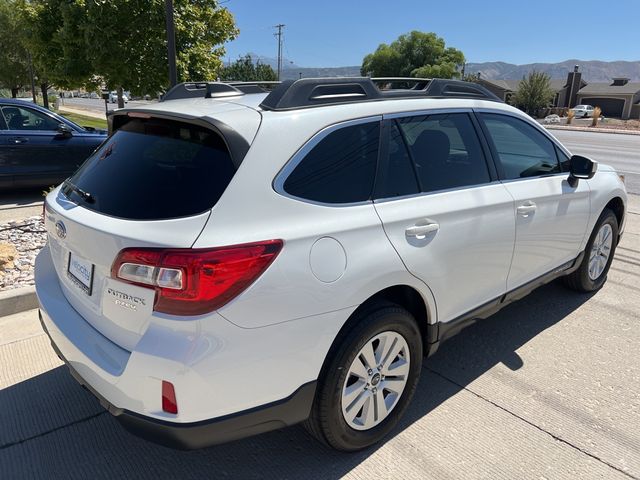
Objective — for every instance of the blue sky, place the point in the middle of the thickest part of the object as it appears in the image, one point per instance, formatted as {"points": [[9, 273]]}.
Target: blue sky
{"points": [[325, 33]]}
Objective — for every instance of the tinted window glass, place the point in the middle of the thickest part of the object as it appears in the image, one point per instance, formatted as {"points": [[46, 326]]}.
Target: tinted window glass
{"points": [[155, 169], [522, 150], [3, 124], [565, 161], [397, 176], [340, 168], [19, 118], [446, 151]]}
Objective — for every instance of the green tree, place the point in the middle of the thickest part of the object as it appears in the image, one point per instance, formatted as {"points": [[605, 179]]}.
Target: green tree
{"points": [[416, 54], [55, 37], [126, 41], [534, 92], [244, 70], [14, 66]]}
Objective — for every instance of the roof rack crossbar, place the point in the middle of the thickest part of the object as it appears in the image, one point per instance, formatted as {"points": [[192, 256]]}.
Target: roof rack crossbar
{"points": [[311, 92], [201, 90]]}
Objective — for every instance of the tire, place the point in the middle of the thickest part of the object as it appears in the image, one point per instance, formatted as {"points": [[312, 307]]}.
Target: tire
{"points": [[582, 280], [382, 325]]}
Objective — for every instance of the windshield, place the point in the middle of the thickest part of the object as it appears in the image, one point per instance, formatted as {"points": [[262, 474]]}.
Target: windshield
{"points": [[152, 169]]}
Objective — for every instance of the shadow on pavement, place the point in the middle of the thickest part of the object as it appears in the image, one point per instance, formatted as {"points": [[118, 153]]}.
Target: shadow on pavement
{"points": [[49, 426], [21, 197]]}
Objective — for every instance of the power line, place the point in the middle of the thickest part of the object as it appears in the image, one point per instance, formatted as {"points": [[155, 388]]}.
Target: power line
{"points": [[278, 35]]}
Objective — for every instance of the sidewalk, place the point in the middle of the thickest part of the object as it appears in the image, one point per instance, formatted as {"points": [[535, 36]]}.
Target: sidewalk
{"points": [[591, 129], [82, 111], [546, 388]]}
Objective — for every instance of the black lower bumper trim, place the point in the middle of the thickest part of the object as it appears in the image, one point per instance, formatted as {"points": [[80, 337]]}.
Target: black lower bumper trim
{"points": [[187, 436]]}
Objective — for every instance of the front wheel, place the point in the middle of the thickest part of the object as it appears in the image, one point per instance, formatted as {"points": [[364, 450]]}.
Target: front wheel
{"points": [[369, 380], [598, 255]]}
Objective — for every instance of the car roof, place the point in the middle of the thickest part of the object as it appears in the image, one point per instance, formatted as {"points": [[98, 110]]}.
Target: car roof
{"points": [[18, 102]]}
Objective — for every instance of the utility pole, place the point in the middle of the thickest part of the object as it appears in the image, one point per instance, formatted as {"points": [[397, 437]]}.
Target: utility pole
{"points": [[280, 26], [171, 42]]}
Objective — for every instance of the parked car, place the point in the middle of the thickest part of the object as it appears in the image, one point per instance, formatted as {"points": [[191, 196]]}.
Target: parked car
{"points": [[552, 119], [94, 95], [39, 147], [209, 278], [113, 97], [583, 111]]}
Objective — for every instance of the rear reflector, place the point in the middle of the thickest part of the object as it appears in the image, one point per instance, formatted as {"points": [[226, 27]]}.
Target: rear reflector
{"points": [[169, 403], [195, 281]]}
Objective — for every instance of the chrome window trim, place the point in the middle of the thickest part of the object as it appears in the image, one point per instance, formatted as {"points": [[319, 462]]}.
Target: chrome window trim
{"points": [[294, 161]]}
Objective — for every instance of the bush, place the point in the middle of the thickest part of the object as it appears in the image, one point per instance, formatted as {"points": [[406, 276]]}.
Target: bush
{"points": [[596, 116], [570, 115], [52, 101]]}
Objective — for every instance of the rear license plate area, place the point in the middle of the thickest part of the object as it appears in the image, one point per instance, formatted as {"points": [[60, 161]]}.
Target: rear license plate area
{"points": [[80, 272]]}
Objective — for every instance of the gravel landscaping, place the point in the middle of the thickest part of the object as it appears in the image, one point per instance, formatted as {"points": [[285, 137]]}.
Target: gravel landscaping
{"points": [[20, 242]]}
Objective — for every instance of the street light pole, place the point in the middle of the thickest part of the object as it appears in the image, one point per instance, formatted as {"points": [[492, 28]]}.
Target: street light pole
{"points": [[171, 42]]}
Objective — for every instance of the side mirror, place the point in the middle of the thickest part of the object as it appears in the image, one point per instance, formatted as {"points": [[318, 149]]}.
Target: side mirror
{"points": [[64, 130], [581, 167]]}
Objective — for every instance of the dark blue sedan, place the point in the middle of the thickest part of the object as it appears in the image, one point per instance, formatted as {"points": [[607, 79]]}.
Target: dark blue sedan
{"points": [[38, 147]]}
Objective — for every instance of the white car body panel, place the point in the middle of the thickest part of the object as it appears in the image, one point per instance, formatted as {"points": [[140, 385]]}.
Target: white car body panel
{"points": [[274, 337], [552, 234], [466, 261]]}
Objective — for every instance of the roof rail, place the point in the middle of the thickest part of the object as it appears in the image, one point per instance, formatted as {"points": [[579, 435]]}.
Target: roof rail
{"points": [[201, 90], [312, 92]]}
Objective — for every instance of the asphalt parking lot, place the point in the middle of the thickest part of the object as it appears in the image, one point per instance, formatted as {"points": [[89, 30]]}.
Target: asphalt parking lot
{"points": [[547, 388]]}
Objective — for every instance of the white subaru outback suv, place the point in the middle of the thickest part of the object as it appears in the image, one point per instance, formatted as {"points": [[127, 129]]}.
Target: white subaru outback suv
{"points": [[228, 263]]}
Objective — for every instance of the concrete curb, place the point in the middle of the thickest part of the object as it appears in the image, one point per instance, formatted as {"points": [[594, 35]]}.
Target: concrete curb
{"points": [[18, 300], [592, 129]]}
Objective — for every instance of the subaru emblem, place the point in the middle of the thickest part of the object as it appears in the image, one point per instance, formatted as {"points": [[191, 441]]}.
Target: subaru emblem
{"points": [[61, 230]]}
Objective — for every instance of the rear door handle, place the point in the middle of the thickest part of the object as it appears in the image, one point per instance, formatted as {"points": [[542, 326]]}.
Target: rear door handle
{"points": [[421, 231], [526, 208], [18, 140]]}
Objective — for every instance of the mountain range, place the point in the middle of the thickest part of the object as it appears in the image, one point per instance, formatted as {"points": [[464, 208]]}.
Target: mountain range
{"points": [[592, 70]]}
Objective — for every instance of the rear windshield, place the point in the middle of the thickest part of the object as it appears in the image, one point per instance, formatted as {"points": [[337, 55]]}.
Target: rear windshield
{"points": [[153, 169]]}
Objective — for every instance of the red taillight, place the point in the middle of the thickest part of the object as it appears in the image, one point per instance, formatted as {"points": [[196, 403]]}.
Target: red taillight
{"points": [[169, 402], [195, 281]]}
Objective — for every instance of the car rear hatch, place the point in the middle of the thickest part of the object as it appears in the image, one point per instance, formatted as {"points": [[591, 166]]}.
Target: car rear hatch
{"points": [[152, 184]]}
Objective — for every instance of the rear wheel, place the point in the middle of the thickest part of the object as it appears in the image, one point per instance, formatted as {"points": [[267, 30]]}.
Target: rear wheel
{"points": [[369, 380], [598, 255]]}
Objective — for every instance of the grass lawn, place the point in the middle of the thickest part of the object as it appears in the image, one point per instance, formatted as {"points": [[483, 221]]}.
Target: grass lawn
{"points": [[85, 121]]}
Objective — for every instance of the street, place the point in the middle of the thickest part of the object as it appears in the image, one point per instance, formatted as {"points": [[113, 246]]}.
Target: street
{"points": [[547, 388], [618, 150]]}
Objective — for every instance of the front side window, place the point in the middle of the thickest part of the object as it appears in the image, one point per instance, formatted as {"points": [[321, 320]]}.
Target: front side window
{"points": [[445, 151], [522, 150], [340, 168], [18, 118]]}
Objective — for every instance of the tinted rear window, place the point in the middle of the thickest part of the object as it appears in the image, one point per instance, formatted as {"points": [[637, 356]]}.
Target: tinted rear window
{"points": [[152, 169]]}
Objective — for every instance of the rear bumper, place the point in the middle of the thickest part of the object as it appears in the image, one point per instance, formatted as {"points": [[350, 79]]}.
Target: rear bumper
{"points": [[187, 436], [223, 375]]}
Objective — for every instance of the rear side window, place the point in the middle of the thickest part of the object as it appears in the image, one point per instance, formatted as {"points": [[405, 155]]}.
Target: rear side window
{"points": [[3, 124], [445, 150], [340, 168], [153, 169], [522, 150]]}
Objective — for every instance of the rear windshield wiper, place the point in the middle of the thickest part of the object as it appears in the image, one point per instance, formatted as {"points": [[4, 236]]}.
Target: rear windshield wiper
{"points": [[86, 196]]}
